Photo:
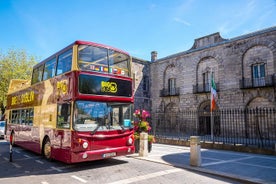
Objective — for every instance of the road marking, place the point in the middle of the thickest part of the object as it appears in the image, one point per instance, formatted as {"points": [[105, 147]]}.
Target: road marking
{"points": [[16, 165], [38, 161], [226, 161], [44, 182], [27, 156], [256, 165], [16, 151], [5, 158], [57, 169], [78, 178], [147, 176]]}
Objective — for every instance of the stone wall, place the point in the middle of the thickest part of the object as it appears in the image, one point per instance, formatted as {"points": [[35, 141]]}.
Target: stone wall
{"points": [[230, 60], [141, 81]]}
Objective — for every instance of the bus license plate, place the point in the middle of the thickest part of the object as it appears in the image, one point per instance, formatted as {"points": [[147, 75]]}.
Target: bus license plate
{"points": [[107, 155]]}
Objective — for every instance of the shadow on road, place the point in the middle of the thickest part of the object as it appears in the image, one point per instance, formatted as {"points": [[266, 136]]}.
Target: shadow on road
{"points": [[25, 163]]}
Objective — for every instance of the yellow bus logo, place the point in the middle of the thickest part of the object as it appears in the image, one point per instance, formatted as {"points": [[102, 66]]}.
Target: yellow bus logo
{"points": [[110, 87], [62, 86]]}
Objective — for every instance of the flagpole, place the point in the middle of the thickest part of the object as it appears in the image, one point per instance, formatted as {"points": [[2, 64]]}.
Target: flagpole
{"points": [[212, 117], [212, 126]]}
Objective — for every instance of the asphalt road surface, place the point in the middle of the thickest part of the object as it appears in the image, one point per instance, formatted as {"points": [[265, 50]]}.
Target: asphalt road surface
{"points": [[30, 168]]}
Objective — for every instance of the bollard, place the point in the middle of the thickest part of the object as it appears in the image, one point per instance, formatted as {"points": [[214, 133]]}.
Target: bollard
{"points": [[195, 153], [11, 141], [10, 153], [143, 151]]}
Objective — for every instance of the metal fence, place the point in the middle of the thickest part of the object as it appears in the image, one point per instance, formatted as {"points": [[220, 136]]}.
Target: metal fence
{"points": [[249, 127]]}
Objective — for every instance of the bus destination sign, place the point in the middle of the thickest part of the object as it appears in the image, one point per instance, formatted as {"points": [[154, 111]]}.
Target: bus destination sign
{"points": [[98, 85]]}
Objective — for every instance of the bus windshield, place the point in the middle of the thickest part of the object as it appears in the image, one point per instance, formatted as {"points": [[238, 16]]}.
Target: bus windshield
{"points": [[104, 60], [100, 116]]}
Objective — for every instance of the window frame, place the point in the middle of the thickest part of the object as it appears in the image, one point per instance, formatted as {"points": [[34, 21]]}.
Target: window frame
{"points": [[60, 62]]}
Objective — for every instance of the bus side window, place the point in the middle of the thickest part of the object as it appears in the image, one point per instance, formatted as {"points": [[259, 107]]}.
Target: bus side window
{"points": [[64, 62], [64, 114], [37, 74], [49, 70], [29, 117]]}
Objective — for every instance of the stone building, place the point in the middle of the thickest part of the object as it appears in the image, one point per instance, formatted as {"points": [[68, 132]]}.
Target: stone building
{"points": [[243, 69], [141, 79]]}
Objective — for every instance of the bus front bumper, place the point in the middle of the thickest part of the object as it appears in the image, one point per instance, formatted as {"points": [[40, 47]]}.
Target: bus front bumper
{"points": [[91, 155]]}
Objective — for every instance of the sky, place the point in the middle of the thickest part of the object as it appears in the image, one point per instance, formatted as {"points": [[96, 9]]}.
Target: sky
{"points": [[138, 27]]}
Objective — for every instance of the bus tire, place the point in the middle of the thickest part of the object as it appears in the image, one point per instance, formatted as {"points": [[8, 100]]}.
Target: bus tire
{"points": [[47, 149]]}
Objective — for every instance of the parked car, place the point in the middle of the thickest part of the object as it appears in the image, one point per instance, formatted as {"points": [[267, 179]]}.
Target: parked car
{"points": [[2, 129]]}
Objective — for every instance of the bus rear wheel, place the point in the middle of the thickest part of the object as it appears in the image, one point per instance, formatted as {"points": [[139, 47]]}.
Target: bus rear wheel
{"points": [[47, 149]]}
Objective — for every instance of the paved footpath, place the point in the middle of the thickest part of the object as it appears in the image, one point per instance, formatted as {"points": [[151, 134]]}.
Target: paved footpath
{"points": [[244, 167]]}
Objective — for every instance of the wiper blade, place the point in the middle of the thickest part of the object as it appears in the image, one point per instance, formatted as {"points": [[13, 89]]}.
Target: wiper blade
{"points": [[123, 128], [94, 131]]}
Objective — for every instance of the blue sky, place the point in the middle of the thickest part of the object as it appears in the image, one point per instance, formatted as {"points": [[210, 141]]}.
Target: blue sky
{"points": [[137, 26]]}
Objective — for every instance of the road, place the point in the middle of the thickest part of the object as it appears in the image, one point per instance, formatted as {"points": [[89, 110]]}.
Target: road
{"points": [[28, 167]]}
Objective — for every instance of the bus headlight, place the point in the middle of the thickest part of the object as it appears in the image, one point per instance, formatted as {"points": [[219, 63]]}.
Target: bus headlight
{"points": [[85, 144], [129, 141]]}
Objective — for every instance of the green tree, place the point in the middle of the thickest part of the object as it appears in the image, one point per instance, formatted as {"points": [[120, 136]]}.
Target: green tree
{"points": [[15, 64]]}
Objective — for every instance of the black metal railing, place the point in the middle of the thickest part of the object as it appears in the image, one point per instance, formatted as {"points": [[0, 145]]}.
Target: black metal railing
{"points": [[268, 81], [204, 88], [170, 92], [249, 127]]}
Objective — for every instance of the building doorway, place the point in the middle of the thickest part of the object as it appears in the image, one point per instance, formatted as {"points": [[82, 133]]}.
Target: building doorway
{"points": [[204, 120]]}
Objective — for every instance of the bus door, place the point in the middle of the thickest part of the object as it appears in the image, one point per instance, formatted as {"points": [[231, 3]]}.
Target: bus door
{"points": [[62, 135]]}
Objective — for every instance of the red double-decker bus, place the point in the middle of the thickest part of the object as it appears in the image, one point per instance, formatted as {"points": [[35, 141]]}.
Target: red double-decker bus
{"points": [[78, 106]]}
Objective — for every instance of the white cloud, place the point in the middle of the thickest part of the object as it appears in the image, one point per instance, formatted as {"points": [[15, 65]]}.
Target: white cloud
{"points": [[186, 23]]}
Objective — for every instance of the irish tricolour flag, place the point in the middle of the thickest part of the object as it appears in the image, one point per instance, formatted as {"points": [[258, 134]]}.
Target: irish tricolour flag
{"points": [[213, 93]]}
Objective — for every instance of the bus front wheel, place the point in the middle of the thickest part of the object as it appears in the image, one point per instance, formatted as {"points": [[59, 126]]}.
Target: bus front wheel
{"points": [[47, 149]]}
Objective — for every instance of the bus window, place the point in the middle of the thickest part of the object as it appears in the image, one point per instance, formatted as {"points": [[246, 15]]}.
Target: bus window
{"points": [[93, 116], [50, 69], [29, 116], [92, 58], [15, 117], [22, 116], [122, 113], [103, 60], [64, 113], [37, 74], [64, 62], [118, 63]]}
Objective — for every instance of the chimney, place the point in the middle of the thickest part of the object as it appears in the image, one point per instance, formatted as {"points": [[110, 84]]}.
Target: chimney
{"points": [[153, 56]]}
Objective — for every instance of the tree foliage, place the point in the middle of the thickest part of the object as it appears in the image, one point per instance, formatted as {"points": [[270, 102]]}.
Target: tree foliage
{"points": [[15, 64]]}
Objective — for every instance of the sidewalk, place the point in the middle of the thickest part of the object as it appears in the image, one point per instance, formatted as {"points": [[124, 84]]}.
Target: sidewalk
{"points": [[244, 167]]}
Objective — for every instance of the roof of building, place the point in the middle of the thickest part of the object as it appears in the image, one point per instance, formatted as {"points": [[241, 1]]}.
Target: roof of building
{"points": [[214, 40]]}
